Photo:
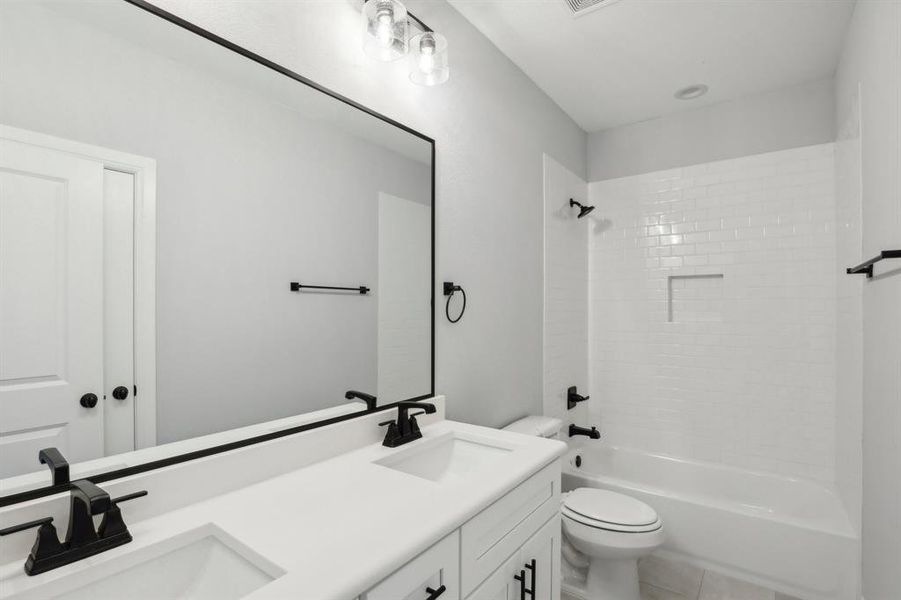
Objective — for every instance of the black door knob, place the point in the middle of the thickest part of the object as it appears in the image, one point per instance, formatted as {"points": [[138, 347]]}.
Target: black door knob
{"points": [[89, 400], [120, 393]]}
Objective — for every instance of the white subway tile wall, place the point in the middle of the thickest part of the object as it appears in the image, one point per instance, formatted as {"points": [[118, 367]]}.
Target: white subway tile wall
{"points": [[849, 314], [737, 367]]}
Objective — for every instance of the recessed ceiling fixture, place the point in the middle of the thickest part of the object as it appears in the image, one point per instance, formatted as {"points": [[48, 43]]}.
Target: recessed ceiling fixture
{"points": [[386, 26], [691, 92], [580, 6]]}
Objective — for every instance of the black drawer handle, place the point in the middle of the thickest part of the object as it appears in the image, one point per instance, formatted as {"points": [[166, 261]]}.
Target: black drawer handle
{"points": [[532, 566], [435, 593], [521, 578]]}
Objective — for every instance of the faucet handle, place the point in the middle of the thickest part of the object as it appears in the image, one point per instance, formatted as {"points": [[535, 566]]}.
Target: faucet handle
{"points": [[26, 526], [112, 524], [47, 542], [128, 497]]}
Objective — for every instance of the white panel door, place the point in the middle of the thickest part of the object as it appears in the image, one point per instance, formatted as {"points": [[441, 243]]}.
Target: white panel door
{"points": [[404, 300], [501, 585], [118, 312], [51, 319]]}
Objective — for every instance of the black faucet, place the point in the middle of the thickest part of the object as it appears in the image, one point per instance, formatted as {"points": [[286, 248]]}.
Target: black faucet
{"points": [[369, 399], [85, 501], [573, 397], [82, 539], [405, 429], [58, 464], [593, 433]]}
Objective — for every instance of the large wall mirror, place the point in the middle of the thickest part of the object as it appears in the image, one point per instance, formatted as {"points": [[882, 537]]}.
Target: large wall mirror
{"points": [[174, 213]]}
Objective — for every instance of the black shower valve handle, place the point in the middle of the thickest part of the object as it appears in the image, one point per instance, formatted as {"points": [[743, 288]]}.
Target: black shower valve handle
{"points": [[573, 397]]}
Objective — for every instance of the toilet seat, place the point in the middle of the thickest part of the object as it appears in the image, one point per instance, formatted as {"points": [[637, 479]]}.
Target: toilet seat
{"points": [[603, 509], [568, 514]]}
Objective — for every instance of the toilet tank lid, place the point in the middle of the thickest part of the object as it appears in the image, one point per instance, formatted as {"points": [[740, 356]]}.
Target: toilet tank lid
{"points": [[536, 425]]}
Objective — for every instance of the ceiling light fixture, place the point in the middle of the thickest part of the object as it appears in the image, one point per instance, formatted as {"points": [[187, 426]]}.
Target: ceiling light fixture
{"points": [[384, 30], [386, 25], [691, 92]]}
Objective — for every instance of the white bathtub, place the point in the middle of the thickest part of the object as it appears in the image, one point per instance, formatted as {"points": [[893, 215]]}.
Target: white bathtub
{"points": [[787, 534]]}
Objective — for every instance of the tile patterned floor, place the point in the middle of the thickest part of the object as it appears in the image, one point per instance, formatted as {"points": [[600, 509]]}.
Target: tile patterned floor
{"points": [[669, 580]]}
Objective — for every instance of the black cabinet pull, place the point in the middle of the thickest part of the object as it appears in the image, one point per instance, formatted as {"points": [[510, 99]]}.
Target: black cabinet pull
{"points": [[88, 400], [435, 593], [532, 566], [521, 578], [120, 393]]}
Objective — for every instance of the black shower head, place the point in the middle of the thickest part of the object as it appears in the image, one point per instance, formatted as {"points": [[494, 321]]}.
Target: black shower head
{"points": [[583, 210]]}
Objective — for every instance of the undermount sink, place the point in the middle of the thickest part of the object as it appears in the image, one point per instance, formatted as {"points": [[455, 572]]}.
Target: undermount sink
{"points": [[204, 563], [446, 457]]}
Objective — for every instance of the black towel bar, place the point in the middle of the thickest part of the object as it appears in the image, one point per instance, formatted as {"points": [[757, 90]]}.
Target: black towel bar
{"points": [[867, 267], [296, 287]]}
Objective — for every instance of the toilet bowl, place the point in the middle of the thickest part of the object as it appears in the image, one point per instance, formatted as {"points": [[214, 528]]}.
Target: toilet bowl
{"points": [[612, 530]]}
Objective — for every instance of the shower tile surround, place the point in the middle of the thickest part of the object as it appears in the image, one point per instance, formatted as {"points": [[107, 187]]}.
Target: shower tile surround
{"points": [[737, 366]]}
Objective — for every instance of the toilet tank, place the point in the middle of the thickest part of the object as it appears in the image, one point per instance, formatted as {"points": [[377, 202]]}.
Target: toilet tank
{"points": [[546, 427]]}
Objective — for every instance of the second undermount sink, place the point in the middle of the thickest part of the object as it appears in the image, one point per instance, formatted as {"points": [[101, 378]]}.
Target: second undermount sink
{"points": [[446, 457], [202, 564]]}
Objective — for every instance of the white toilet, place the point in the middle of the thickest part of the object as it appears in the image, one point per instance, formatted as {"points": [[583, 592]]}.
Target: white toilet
{"points": [[612, 529]]}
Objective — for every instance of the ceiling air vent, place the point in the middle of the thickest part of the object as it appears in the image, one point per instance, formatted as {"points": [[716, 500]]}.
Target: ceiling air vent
{"points": [[580, 6]]}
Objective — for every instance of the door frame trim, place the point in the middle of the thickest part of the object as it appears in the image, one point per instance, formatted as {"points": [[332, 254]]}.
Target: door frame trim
{"points": [[144, 171]]}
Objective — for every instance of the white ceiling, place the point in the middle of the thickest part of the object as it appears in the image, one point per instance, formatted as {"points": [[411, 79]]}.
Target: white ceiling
{"points": [[622, 62]]}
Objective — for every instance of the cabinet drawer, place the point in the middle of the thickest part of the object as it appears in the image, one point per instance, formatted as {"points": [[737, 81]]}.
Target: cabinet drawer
{"points": [[438, 566], [492, 536]]}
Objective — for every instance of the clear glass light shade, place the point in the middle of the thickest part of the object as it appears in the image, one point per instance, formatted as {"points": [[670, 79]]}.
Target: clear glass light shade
{"points": [[428, 59], [384, 29]]}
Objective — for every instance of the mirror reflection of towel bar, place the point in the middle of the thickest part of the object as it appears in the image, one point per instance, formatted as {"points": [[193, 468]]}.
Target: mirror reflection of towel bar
{"points": [[296, 287], [867, 267]]}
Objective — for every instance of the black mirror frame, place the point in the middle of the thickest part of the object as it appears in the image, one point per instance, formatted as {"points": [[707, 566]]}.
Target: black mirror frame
{"points": [[188, 456]]}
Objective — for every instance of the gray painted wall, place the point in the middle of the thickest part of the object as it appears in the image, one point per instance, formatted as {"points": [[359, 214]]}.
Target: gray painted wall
{"points": [[803, 115], [250, 196], [872, 61], [492, 125]]}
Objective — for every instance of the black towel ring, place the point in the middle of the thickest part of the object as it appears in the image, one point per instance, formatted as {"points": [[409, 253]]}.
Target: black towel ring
{"points": [[449, 289]]}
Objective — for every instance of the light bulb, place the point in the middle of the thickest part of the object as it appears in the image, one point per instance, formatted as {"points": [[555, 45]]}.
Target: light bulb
{"points": [[427, 53], [385, 17], [428, 64]]}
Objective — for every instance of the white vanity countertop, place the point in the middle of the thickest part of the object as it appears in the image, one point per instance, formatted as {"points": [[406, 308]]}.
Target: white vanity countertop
{"points": [[340, 526]]}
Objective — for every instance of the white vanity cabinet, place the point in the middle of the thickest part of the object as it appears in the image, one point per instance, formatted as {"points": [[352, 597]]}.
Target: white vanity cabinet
{"points": [[509, 551], [433, 574], [534, 568]]}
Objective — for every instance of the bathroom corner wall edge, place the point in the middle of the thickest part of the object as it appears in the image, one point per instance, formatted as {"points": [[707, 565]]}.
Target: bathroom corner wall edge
{"points": [[154, 10]]}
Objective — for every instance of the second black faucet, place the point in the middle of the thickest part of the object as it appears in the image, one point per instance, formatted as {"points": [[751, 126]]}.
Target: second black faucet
{"points": [[405, 429], [593, 433]]}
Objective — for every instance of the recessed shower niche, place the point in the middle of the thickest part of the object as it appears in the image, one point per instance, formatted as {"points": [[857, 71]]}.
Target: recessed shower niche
{"points": [[694, 298]]}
